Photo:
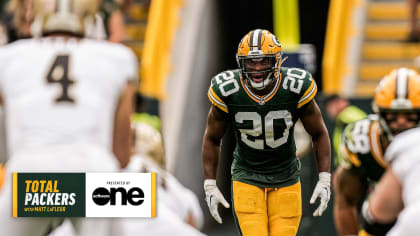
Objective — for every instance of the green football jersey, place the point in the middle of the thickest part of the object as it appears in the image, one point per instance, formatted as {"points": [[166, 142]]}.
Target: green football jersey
{"points": [[362, 148], [265, 153]]}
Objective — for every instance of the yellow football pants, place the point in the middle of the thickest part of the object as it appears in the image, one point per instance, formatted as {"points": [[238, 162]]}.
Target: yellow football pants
{"points": [[267, 211]]}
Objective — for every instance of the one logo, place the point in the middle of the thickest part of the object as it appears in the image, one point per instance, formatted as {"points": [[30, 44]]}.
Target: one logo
{"points": [[120, 195], [102, 196]]}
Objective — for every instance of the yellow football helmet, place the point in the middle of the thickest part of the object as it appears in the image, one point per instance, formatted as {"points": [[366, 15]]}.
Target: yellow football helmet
{"points": [[75, 17], [399, 91], [257, 45]]}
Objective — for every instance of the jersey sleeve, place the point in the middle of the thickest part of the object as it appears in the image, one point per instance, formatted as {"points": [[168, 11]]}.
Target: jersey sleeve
{"points": [[4, 63], [348, 156], [128, 66], [406, 163], [132, 67], [402, 153], [215, 95], [309, 88], [402, 143]]}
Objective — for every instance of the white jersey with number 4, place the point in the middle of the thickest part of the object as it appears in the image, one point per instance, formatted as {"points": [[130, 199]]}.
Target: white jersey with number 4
{"points": [[58, 92]]}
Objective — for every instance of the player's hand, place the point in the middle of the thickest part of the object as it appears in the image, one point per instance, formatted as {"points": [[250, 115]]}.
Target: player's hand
{"points": [[213, 198], [322, 190]]}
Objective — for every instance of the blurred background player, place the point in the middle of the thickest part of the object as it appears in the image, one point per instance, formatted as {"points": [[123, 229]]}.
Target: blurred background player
{"points": [[53, 104], [396, 103], [113, 18], [263, 101], [178, 207], [17, 16], [339, 109], [166, 222], [149, 156], [179, 211], [397, 193], [16, 20]]}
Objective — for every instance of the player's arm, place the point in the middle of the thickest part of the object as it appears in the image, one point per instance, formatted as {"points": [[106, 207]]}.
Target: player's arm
{"points": [[383, 207], [386, 202], [121, 144], [314, 124], [349, 188], [215, 129]]}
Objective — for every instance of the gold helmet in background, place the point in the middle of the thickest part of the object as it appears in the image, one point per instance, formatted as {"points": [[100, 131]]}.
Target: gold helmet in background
{"points": [[148, 143], [75, 17], [257, 45], [399, 91]]}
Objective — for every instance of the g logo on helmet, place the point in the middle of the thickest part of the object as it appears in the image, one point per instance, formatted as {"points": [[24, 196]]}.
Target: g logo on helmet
{"points": [[276, 41]]}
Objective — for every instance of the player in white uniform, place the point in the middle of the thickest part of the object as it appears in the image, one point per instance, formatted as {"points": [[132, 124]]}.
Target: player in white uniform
{"points": [[179, 212], [149, 156], [166, 223], [398, 192], [68, 101], [178, 207]]}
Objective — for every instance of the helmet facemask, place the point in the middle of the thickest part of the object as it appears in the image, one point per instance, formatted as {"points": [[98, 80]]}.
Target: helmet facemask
{"points": [[387, 116], [259, 71], [259, 58], [397, 102]]}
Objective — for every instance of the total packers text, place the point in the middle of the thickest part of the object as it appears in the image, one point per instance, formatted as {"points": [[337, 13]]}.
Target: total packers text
{"points": [[46, 193]]}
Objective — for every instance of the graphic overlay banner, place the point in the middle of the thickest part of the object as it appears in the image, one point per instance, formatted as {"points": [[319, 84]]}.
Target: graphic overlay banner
{"points": [[84, 194], [48, 194]]}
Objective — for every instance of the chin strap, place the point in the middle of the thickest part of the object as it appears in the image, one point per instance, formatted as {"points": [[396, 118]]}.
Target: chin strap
{"points": [[384, 126]]}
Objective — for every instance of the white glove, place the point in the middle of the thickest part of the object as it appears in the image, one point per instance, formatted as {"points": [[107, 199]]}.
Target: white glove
{"points": [[323, 191], [213, 198]]}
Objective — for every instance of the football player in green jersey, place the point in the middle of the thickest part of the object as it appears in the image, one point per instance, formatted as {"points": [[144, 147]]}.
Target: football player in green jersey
{"points": [[262, 101], [397, 104]]}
